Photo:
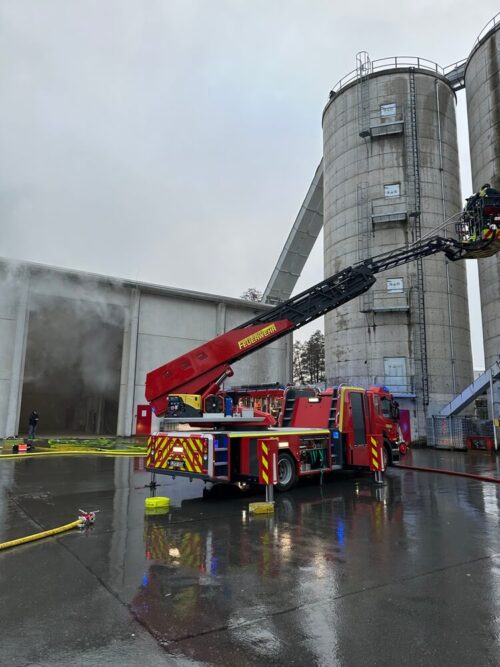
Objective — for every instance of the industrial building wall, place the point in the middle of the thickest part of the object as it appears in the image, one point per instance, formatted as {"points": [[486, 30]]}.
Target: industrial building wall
{"points": [[373, 186], [170, 326], [59, 349], [482, 86], [80, 346]]}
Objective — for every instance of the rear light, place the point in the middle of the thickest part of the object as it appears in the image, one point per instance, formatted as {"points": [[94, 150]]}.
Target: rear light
{"points": [[403, 448]]}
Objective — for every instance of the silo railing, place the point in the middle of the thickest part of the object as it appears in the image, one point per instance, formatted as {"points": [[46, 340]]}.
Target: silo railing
{"points": [[389, 209], [399, 386], [489, 27], [385, 301], [395, 62]]}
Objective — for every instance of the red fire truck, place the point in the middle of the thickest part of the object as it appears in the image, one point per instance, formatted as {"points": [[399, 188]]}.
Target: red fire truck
{"points": [[315, 432], [275, 399]]}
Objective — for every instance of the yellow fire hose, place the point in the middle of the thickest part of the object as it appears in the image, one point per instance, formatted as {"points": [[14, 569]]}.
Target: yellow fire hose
{"points": [[39, 536], [73, 452]]}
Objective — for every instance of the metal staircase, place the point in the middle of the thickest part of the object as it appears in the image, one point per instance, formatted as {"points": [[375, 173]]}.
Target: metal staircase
{"points": [[336, 444], [221, 462], [333, 410], [470, 393]]}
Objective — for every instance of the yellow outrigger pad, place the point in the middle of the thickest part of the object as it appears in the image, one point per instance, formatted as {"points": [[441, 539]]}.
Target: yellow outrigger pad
{"points": [[261, 508], [157, 502]]}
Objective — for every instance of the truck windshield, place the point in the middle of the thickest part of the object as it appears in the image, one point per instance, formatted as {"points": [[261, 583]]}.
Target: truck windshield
{"points": [[386, 408], [390, 408]]}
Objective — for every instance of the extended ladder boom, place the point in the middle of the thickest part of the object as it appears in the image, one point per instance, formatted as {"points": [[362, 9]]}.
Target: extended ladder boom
{"points": [[202, 370], [352, 281]]}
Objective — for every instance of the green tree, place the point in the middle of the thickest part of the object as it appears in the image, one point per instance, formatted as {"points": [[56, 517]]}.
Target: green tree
{"points": [[252, 294], [313, 358]]}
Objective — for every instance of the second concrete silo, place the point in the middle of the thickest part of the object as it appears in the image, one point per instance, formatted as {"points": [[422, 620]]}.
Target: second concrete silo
{"points": [[482, 87], [391, 176]]}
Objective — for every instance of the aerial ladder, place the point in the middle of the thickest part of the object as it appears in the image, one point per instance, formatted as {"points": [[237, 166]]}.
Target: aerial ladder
{"points": [[183, 386], [229, 444]]}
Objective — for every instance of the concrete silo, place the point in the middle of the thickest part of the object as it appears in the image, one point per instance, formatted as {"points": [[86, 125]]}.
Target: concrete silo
{"points": [[391, 175], [482, 87]]}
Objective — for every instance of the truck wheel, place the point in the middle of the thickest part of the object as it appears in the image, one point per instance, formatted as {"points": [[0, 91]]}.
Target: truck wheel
{"points": [[287, 477]]}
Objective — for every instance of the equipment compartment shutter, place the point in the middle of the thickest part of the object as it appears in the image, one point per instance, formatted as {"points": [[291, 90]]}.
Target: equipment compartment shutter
{"points": [[358, 418], [254, 462]]}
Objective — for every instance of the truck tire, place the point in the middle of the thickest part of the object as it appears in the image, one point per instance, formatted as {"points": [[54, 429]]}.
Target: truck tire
{"points": [[287, 476]]}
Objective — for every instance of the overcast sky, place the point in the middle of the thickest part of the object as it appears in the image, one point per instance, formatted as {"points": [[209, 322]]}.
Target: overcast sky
{"points": [[172, 141]]}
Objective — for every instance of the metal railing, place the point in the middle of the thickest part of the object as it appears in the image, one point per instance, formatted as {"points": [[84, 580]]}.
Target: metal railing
{"points": [[491, 25], [403, 62], [389, 207], [397, 386], [395, 62], [452, 432], [384, 301], [454, 66]]}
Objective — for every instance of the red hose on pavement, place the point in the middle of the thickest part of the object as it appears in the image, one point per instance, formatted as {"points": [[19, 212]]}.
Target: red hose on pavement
{"points": [[456, 473]]}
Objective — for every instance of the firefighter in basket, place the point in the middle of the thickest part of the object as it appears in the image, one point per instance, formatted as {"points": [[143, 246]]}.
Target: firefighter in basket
{"points": [[482, 214]]}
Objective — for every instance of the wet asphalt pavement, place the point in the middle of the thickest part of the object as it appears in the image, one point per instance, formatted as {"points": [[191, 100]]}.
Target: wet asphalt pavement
{"points": [[342, 574], [474, 462]]}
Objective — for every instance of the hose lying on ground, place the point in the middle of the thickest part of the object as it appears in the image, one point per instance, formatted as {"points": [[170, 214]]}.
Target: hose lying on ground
{"points": [[39, 536], [455, 473], [79, 452]]}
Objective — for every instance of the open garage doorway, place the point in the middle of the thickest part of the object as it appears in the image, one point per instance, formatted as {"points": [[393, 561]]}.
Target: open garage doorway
{"points": [[72, 367]]}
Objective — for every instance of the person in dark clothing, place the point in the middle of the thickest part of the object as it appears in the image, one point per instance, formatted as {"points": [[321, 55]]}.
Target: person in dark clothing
{"points": [[33, 423], [486, 191], [470, 202], [480, 210]]}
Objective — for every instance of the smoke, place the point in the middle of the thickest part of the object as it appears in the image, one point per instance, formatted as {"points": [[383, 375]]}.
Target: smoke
{"points": [[75, 328]]}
